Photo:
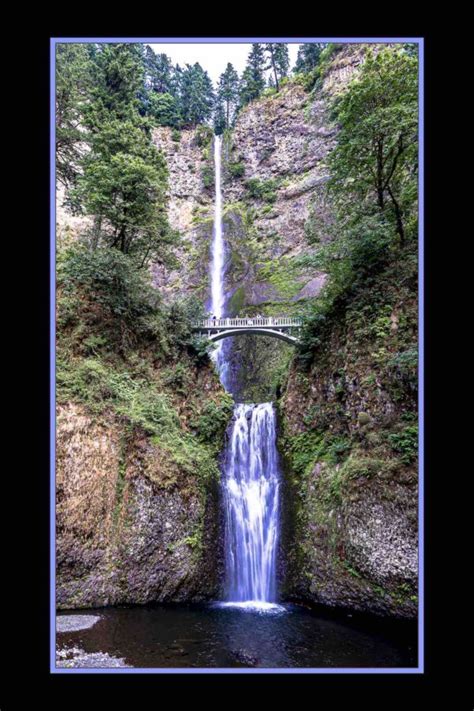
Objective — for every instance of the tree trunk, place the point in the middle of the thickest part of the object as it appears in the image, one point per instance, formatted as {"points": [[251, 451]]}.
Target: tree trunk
{"points": [[398, 216], [380, 187], [275, 73], [96, 231]]}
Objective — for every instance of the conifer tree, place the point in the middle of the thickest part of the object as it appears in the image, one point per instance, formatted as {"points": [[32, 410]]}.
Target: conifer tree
{"points": [[73, 85], [278, 61], [308, 56], [219, 118], [197, 95], [253, 79], [228, 92], [124, 177]]}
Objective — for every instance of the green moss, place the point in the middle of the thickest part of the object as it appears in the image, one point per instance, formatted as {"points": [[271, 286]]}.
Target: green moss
{"points": [[237, 301], [281, 274], [213, 420]]}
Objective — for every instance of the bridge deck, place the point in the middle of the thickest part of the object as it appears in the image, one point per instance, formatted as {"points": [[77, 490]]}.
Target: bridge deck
{"points": [[272, 322]]}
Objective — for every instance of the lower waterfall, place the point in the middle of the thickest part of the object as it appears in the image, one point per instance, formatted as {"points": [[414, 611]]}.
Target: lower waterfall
{"points": [[251, 488]]}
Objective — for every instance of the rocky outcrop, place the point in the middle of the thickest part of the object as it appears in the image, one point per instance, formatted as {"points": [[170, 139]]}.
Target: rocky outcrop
{"points": [[349, 437], [131, 526], [189, 159]]}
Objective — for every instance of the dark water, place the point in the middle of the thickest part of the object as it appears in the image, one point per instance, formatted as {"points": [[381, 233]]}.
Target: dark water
{"points": [[208, 636]]}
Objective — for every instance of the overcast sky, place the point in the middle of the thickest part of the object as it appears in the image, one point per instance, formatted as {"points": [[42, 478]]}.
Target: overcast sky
{"points": [[213, 57]]}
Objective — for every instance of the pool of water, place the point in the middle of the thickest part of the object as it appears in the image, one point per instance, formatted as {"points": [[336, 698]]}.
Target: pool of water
{"points": [[213, 635]]}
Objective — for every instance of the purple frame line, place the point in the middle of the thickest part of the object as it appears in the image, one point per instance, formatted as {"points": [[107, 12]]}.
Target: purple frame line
{"points": [[218, 670]]}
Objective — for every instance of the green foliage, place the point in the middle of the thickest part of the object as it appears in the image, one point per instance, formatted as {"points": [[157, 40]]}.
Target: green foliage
{"points": [[308, 56], [73, 86], [277, 60], [117, 76], [214, 419], [176, 135], [204, 135], [228, 95], [236, 170], [164, 108], [124, 183], [308, 448], [253, 80], [115, 171], [196, 95], [405, 443], [207, 176], [377, 114], [180, 315], [377, 144], [109, 279], [262, 189]]}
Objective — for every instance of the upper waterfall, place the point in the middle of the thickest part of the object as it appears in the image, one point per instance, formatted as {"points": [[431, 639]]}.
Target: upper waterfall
{"points": [[217, 266], [218, 250]]}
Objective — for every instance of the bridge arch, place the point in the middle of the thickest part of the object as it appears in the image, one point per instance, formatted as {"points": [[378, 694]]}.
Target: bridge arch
{"points": [[282, 336]]}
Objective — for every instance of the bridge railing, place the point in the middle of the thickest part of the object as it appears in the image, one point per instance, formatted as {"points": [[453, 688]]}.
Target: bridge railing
{"points": [[249, 322]]}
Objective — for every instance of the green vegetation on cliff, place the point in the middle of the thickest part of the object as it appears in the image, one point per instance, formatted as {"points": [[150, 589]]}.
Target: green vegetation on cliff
{"points": [[349, 410], [121, 351]]}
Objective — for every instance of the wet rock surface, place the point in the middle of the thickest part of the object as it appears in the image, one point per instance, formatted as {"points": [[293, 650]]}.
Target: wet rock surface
{"points": [[74, 623], [74, 658]]}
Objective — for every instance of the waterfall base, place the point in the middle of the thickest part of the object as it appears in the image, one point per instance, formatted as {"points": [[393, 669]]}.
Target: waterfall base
{"points": [[253, 606]]}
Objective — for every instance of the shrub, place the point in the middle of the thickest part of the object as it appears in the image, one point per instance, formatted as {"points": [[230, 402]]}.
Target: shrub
{"points": [[207, 176], [213, 421], [105, 291], [236, 170], [262, 189], [405, 443], [204, 135]]}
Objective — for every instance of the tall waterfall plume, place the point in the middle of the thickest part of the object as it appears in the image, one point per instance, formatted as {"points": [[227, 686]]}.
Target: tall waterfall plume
{"points": [[218, 261]]}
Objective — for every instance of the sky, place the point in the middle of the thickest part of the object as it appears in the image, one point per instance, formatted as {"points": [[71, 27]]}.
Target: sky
{"points": [[213, 57]]}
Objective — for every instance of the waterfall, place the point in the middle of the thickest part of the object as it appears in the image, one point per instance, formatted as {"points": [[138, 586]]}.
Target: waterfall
{"points": [[250, 476], [217, 262], [251, 494]]}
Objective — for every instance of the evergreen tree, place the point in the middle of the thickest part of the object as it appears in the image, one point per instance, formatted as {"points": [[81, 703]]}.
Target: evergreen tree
{"points": [[161, 76], [165, 109], [118, 72], [308, 57], [73, 85], [124, 183], [278, 61], [219, 118], [228, 92], [197, 95], [253, 79], [124, 176]]}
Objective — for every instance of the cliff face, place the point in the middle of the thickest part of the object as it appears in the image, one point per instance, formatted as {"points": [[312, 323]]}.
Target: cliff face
{"points": [[349, 438], [136, 520]]}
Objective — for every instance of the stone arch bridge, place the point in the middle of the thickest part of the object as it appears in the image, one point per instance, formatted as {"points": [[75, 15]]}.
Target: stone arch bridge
{"points": [[282, 327]]}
